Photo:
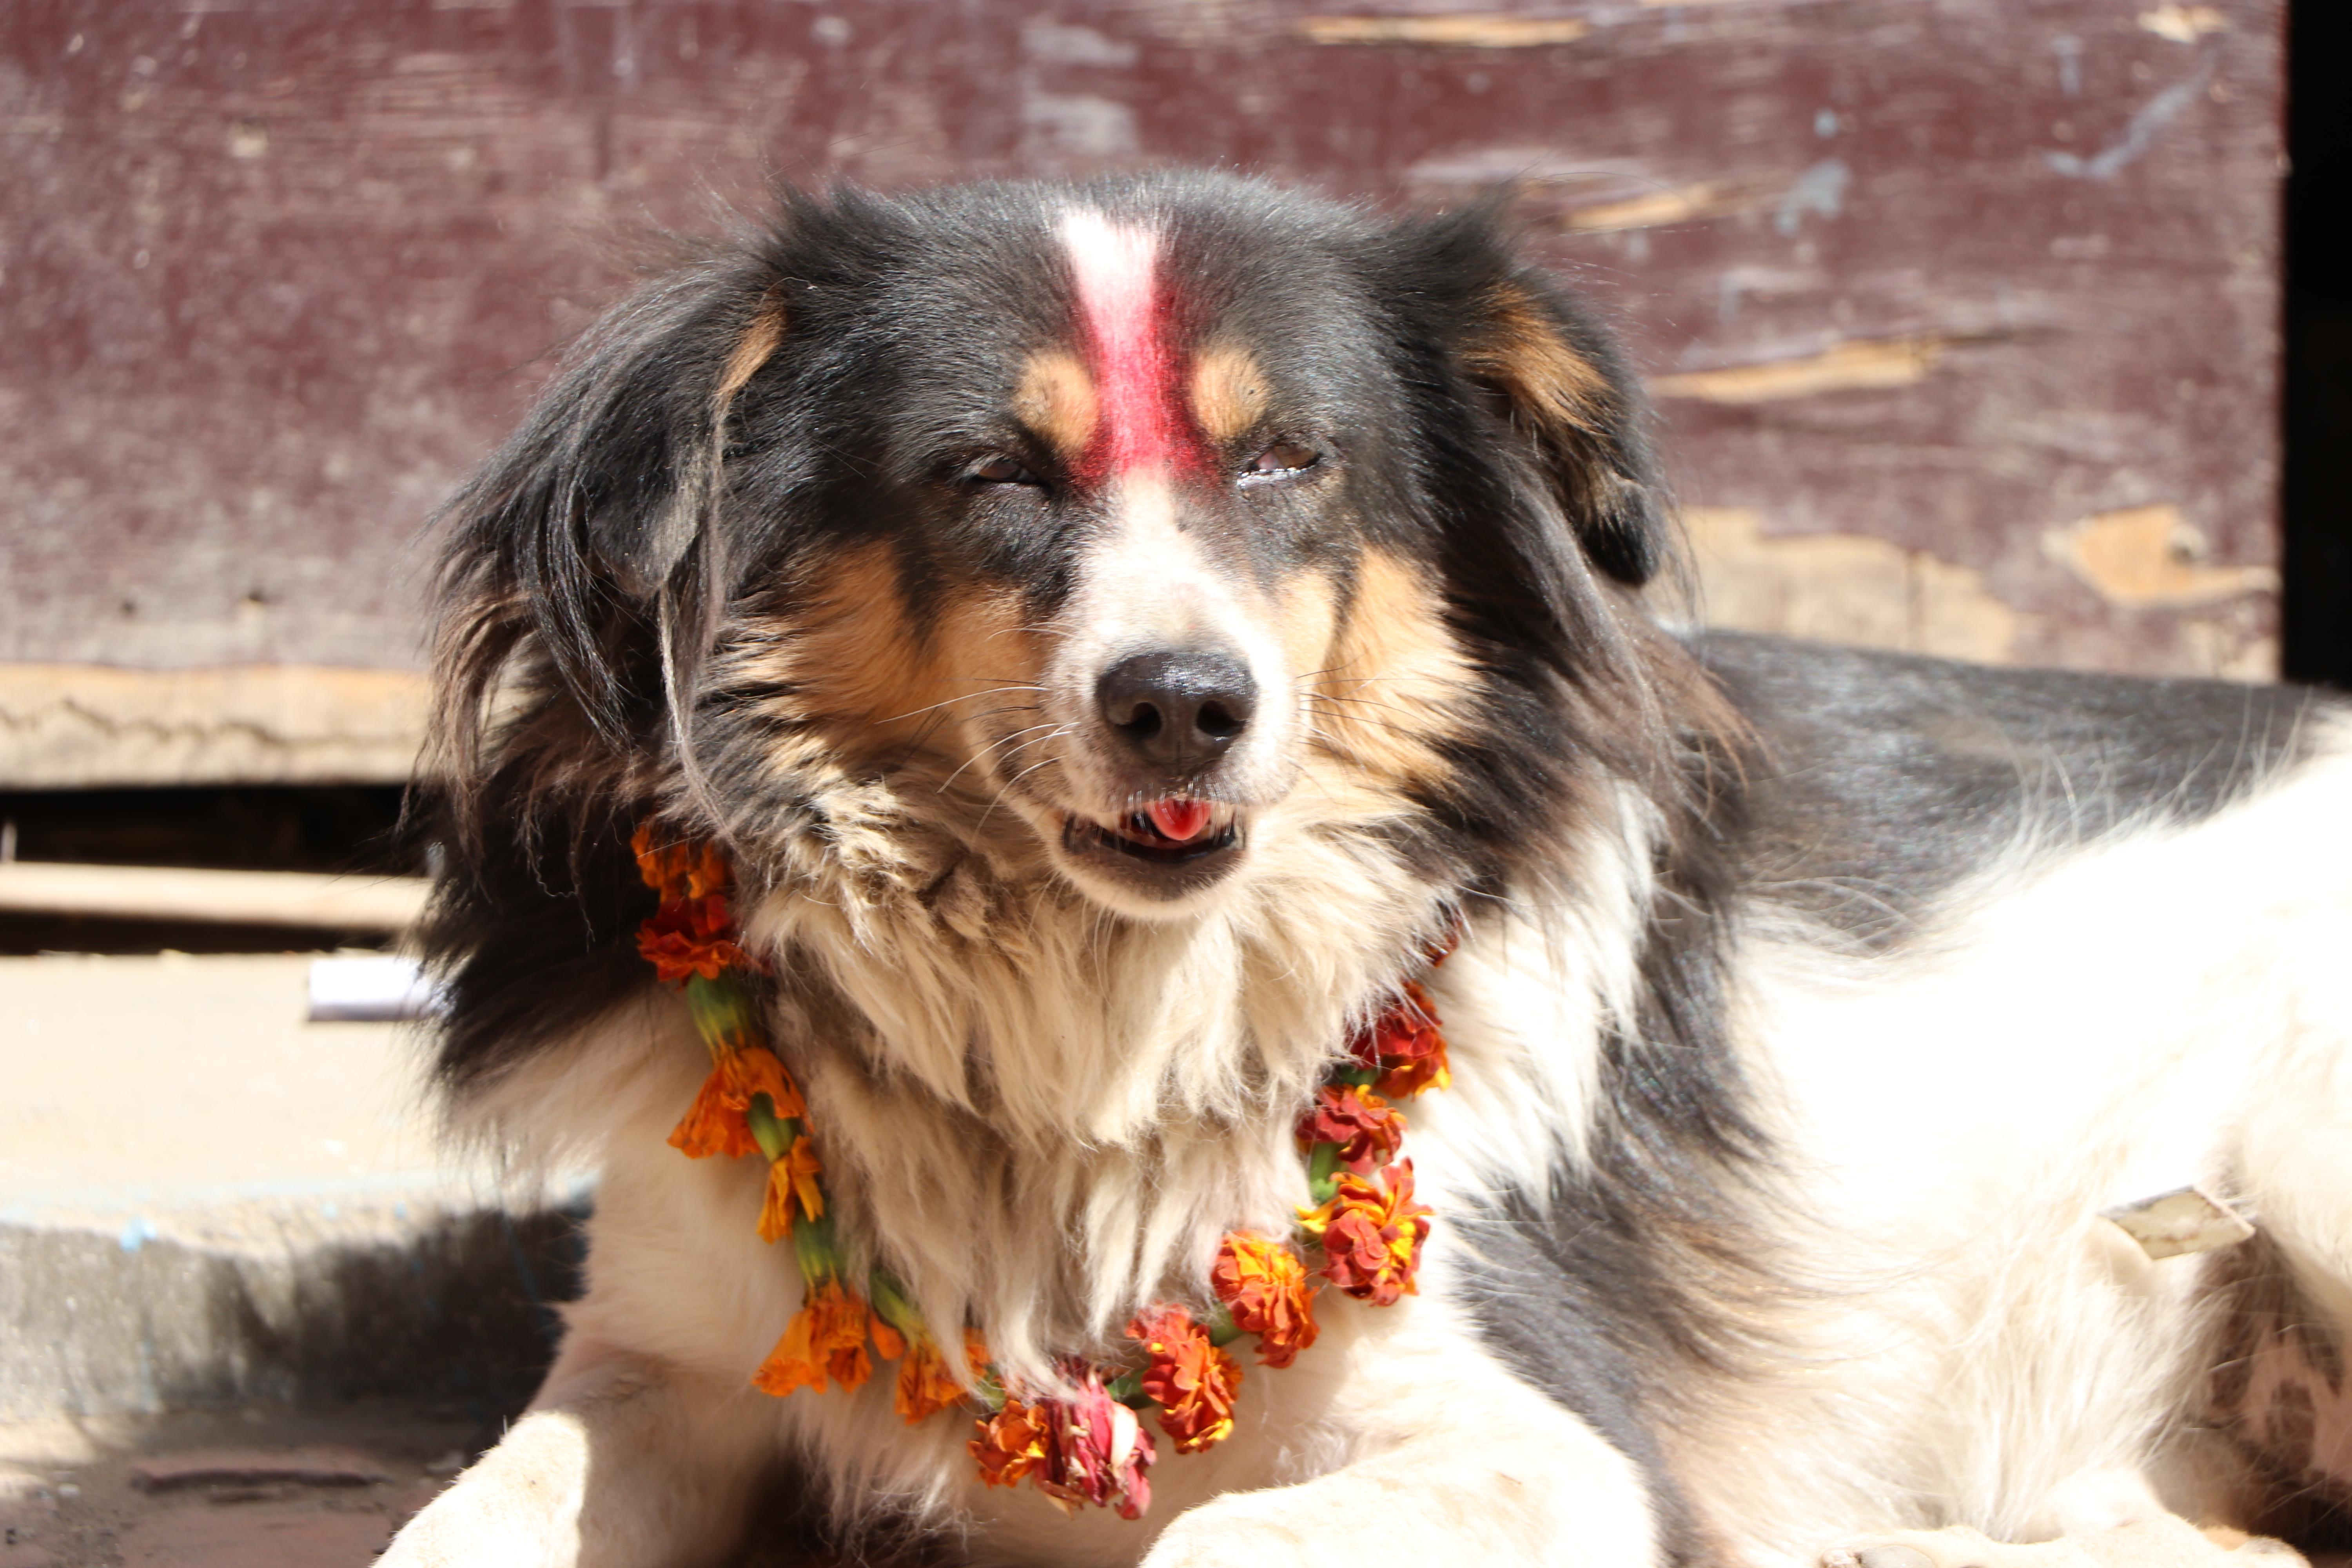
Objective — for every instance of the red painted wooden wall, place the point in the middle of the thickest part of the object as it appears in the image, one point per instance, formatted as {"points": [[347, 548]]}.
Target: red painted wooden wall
{"points": [[1961, 314]]}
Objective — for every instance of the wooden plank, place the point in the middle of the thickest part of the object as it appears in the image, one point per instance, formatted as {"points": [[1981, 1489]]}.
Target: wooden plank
{"points": [[1955, 278], [226, 898], [79, 726]]}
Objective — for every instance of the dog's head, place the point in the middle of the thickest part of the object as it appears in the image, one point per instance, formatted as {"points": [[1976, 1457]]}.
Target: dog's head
{"points": [[1135, 526]]}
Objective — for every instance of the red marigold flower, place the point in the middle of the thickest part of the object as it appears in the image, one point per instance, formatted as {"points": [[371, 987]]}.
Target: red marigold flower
{"points": [[1012, 1443], [690, 936], [1264, 1284], [1191, 1381], [1407, 1049], [1372, 1235], [1097, 1451], [925, 1385], [826, 1338], [678, 870], [1366, 1128]]}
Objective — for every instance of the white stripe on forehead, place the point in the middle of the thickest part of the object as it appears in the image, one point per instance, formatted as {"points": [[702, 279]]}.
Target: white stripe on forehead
{"points": [[1112, 265]]}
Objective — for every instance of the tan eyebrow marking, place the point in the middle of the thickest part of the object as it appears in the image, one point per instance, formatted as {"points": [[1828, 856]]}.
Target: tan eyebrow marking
{"points": [[1057, 399], [1229, 393]]}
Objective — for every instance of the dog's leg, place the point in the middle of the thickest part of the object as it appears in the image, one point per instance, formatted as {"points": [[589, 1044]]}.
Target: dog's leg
{"points": [[1496, 1473], [2162, 1541], [620, 1461]]}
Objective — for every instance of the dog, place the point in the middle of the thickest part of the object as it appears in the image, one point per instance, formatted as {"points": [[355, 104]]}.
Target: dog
{"points": [[1115, 639]]}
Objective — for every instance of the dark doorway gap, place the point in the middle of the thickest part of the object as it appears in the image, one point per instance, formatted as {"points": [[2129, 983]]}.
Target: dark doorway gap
{"points": [[2316, 504]]}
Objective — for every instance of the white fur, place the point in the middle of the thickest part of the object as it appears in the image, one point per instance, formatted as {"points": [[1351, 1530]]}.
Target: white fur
{"points": [[1049, 1122], [2170, 1008]]}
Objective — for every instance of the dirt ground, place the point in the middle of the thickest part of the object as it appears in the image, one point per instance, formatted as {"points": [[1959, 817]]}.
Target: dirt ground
{"points": [[250, 1488]]}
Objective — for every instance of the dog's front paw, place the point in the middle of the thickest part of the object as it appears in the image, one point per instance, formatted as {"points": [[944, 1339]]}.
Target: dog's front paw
{"points": [[2160, 1543], [479, 1521], [1261, 1529]]}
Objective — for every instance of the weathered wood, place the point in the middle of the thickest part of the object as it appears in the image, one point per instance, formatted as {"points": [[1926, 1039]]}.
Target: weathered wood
{"points": [[1959, 278], [300, 899], [82, 725]]}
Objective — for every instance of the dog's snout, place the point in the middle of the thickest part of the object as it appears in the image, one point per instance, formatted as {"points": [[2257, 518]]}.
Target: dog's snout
{"points": [[1178, 710]]}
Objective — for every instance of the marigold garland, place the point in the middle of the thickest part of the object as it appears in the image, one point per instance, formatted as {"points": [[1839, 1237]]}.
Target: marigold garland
{"points": [[1090, 1447]]}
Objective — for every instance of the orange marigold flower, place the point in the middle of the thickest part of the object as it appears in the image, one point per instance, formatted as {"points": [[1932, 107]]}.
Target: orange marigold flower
{"points": [[799, 1167], [1372, 1233], [826, 1338], [1011, 1444], [715, 1123], [1264, 1284], [888, 1343], [690, 936], [1403, 1045], [756, 1070], [679, 870], [1366, 1128], [1191, 1380], [776, 1206], [925, 1385]]}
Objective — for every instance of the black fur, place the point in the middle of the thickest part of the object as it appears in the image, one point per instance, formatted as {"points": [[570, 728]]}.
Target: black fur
{"points": [[1883, 780]]}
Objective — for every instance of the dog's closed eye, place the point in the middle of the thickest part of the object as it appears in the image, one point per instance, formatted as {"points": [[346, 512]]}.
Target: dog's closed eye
{"points": [[1282, 460], [1000, 470]]}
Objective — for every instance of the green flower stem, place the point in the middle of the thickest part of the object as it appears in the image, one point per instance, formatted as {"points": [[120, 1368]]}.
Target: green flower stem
{"points": [[723, 1012], [1361, 1078], [815, 1249], [888, 1298], [1323, 1172], [775, 1135], [1223, 1329]]}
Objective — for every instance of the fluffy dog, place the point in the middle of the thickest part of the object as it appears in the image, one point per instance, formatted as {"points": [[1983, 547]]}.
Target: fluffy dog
{"points": [[1116, 632]]}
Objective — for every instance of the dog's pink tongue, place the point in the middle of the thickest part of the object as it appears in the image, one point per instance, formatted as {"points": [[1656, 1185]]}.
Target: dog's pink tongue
{"points": [[1181, 820]]}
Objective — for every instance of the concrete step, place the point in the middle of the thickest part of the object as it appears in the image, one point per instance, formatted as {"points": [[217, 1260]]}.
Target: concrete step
{"points": [[209, 1202]]}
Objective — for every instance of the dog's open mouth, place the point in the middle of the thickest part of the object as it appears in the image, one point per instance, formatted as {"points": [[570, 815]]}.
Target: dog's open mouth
{"points": [[1168, 847], [1166, 832]]}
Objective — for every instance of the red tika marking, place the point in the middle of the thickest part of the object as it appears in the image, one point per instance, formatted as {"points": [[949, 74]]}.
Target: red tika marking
{"points": [[1124, 315]]}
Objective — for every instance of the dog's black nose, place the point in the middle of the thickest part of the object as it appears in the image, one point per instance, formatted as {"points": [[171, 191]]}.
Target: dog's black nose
{"points": [[1178, 711]]}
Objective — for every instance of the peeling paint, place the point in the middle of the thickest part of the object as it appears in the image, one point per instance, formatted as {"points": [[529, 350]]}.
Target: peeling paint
{"points": [[1479, 31], [2228, 653], [1819, 190], [2183, 24], [1684, 203], [1842, 587], [2149, 555], [2138, 136], [1872, 362]]}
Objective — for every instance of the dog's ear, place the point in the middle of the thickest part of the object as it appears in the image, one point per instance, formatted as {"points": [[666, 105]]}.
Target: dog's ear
{"points": [[581, 534], [1567, 386], [1516, 348]]}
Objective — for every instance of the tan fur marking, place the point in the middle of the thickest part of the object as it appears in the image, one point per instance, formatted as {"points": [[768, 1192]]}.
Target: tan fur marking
{"points": [[1523, 350], [861, 668], [1229, 393], [1387, 692], [758, 345], [1056, 400]]}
